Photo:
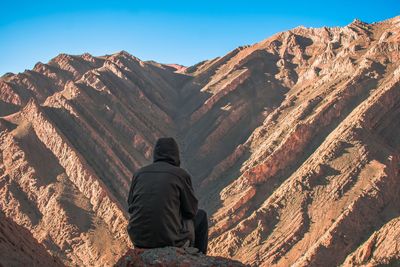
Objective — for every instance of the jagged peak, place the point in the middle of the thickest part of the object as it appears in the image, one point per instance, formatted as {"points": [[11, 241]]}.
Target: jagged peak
{"points": [[61, 57], [8, 75], [304, 30], [357, 21], [43, 67], [359, 24], [88, 57], [86, 54], [243, 47], [124, 54], [39, 66]]}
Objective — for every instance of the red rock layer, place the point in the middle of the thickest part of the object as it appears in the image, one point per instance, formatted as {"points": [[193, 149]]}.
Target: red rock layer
{"points": [[320, 175], [292, 143], [19, 248], [67, 155]]}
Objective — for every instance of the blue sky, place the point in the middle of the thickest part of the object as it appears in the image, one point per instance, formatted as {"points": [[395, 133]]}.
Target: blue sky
{"points": [[183, 32]]}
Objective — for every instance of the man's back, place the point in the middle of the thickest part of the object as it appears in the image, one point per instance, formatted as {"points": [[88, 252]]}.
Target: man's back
{"points": [[160, 197]]}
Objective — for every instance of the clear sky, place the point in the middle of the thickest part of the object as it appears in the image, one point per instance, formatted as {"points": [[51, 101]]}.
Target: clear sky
{"points": [[183, 32]]}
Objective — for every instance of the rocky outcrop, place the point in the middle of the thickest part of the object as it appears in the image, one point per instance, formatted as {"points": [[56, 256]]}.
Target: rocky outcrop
{"points": [[292, 144], [381, 248], [171, 256]]}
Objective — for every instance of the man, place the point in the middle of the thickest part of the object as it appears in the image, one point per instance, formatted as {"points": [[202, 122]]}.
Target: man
{"points": [[162, 205]]}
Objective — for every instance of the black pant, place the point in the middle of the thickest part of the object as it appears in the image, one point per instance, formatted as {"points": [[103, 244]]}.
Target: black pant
{"points": [[200, 225], [201, 231]]}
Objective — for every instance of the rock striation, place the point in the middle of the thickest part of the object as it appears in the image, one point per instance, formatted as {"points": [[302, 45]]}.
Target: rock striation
{"points": [[19, 248], [293, 145]]}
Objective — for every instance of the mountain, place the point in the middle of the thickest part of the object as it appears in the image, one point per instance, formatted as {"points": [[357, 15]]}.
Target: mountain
{"points": [[293, 146], [18, 247]]}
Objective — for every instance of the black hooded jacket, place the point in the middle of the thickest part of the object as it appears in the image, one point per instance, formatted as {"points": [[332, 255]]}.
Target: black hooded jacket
{"points": [[160, 198]]}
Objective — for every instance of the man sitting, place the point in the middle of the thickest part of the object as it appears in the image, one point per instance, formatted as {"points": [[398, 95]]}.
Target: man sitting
{"points": [[162, 205]]}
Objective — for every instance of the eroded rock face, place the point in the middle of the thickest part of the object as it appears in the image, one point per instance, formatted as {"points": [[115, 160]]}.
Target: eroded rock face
{"points": [[19, 248], [171, 257], [293, 145], [66, 162]]}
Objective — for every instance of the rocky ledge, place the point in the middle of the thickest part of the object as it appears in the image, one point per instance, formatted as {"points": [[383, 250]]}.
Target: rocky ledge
{"points": [[171, 256]]}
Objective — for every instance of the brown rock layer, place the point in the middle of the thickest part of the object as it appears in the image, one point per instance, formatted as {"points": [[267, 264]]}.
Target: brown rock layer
{"points": [[292, 143], [18, 247]]}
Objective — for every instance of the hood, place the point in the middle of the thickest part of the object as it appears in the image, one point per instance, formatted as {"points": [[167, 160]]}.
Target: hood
{"points": [[166, 149]]}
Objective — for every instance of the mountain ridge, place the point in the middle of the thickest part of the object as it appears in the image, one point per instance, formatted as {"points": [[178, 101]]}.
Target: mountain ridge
{"points": [[275, 135]]}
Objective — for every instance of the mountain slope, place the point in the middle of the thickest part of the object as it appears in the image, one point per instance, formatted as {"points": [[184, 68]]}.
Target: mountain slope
{"points": [[67, 158], [18, 247], [318, 165], [292, 144]]}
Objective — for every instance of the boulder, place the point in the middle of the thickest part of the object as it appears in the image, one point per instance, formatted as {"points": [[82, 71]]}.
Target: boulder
{"points": [[172, 257]]}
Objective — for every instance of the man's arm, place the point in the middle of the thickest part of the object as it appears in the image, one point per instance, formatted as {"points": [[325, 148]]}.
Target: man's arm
{"points": [[188, 199], [130, 195]]}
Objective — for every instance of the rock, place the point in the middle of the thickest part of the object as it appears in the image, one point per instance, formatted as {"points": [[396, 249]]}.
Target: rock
{"points": [[292, 144], [19, 248], [171, 257]]}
